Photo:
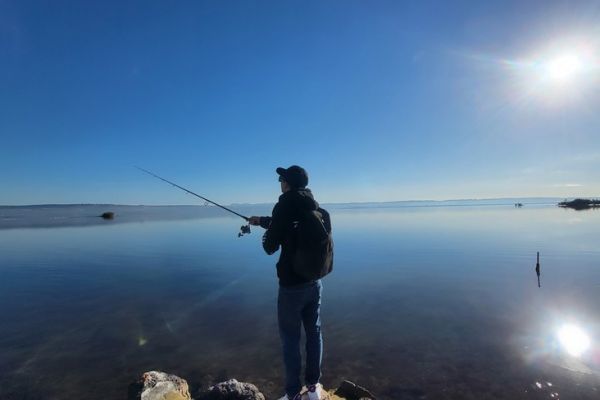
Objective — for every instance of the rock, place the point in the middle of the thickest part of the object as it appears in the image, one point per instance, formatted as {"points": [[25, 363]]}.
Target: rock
{"points": [[351, 391], [108, 215], [156, 385], [325, 395], [232, 390]]}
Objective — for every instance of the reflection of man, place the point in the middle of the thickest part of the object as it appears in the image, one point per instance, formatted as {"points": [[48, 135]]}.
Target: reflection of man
{"points": [[299, 299]]}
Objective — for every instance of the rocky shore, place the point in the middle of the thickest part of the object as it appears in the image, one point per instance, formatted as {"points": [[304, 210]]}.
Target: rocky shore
{"points": [[157, 385]]}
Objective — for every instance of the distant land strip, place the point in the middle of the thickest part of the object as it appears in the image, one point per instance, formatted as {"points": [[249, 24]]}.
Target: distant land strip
{"points": [[73, 215]]}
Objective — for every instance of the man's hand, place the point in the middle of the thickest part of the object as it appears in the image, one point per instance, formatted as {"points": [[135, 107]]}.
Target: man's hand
{"points": [[254, 221]]}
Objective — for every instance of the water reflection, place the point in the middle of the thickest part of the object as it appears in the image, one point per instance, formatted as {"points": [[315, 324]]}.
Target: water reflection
{"points": [[564, 344], [537, 269], [422, 303], [547, 389], [573, 339]]}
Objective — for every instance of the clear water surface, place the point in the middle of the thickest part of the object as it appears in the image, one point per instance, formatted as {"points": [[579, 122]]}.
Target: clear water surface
{"points": [[423, 303]]}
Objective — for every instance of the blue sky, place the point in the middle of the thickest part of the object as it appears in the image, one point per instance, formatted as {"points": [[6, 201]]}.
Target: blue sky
{"points": [[378, 100]]}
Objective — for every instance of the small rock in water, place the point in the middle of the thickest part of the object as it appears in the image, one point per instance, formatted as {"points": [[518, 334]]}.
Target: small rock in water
{"points": [[108, 215], [156, 385], [232, 390]]}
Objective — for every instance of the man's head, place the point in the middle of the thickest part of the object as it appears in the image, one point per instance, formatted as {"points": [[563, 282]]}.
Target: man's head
{"points": [[294, 177]]}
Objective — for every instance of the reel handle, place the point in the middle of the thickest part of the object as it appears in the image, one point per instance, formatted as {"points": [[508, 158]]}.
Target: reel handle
{"points": [[244, 229]]}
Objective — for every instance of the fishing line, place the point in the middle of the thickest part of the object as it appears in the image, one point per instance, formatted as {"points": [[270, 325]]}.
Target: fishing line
{"points": [[243, 230]]}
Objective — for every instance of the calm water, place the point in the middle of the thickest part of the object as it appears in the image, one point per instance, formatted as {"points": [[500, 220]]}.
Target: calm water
{"points": [[424, 302]]}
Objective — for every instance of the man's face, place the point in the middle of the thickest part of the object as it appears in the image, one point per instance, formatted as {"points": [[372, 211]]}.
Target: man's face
{"points": [[284, 185]]}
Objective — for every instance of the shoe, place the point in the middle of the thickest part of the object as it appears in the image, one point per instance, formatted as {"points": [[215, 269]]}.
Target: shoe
{"points": [[316, 392], [296, 397]]}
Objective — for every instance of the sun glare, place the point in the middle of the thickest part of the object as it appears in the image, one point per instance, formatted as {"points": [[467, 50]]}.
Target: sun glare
{"points": [[564, 68], [562, 72], [573, 339]]}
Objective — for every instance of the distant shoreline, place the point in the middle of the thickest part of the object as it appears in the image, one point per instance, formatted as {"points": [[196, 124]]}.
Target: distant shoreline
{"points": [[492, 201], [73, 215]]}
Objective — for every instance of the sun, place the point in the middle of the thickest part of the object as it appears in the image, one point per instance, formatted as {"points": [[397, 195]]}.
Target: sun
{"points": [[564, 68], [559, 74]]}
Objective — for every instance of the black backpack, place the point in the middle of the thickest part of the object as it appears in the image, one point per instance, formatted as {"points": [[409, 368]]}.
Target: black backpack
{"points": [[313, 258]]}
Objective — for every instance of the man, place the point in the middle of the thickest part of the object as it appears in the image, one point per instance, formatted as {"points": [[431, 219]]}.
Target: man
{"points": [[299, 299]]}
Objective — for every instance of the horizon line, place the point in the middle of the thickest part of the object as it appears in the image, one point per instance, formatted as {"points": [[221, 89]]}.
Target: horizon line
{"points": [[324, 203]]}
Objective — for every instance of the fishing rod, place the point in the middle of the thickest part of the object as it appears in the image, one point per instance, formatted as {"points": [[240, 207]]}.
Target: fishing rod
{"points": [[243, 230]]}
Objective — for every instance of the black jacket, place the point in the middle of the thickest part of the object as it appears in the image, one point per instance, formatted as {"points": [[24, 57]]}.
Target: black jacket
{"points": [[280, 231]]}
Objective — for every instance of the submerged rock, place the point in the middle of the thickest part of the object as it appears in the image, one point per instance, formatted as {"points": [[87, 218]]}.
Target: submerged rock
{"points": [[232, 390], [156, 385]]}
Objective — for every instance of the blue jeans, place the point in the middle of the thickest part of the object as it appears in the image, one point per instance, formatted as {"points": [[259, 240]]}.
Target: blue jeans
{"points": [[296, 305]]}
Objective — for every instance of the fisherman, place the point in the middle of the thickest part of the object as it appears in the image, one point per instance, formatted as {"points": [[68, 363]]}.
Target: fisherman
{"points": [[299, 299]]}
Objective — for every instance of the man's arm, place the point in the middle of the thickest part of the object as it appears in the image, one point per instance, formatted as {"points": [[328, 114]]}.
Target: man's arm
{"points": [[275, 233], [275, 227], [264, 222]]}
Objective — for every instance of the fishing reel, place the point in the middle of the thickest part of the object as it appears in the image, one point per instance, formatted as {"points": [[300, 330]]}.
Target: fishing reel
{"points": [[244, 229]]}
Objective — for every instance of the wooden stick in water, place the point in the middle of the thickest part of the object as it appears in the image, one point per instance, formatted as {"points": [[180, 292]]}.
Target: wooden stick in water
{"points": [[537, 268]]}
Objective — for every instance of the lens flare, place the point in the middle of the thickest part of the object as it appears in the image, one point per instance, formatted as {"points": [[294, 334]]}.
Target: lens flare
{"points": [[573, 339]]}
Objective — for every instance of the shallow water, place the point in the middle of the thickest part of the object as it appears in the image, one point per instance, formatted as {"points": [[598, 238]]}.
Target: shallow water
{"points": [[428, 302]]}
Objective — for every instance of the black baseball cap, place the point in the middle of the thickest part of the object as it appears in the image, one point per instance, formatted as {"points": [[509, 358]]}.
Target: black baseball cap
{"points": [[296, 176]]}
